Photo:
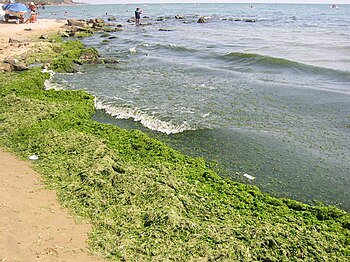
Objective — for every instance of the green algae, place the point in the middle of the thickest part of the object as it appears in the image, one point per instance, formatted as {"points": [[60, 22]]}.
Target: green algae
{"points": [[146, 201], [62, 56]]}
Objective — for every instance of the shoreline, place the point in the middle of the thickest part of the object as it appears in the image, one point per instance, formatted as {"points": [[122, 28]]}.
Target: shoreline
{"points": [[143, 195], [34, 225]]}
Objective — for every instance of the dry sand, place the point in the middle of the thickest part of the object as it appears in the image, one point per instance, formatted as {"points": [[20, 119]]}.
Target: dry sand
{"points": [[30, 31], [33, 226]]}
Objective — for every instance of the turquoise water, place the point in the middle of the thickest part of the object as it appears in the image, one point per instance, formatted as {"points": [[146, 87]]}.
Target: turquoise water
{"points": [[269, 98]]}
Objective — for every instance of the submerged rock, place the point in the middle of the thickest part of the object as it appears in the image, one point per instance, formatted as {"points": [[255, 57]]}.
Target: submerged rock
{"points": [[105, 35], [166, 29], [89, 56], [249, 20], [202, 20], [179, 17]]}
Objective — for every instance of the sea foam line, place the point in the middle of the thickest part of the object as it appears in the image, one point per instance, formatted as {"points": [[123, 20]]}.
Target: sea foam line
{"points": [[48, 84], [150, 122]]}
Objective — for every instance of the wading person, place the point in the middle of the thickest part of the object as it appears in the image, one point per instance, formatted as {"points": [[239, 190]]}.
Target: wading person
{"points": [[138, 13]]}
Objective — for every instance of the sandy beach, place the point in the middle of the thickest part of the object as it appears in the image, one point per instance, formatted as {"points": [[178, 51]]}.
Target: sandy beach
{"points": [[33, 225], [29, 32]]}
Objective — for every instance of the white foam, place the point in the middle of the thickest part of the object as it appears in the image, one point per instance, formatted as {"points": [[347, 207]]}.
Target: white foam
{"points": [[51, 72], [48, 83], [133, 50], [248, 176], [151, 122]]}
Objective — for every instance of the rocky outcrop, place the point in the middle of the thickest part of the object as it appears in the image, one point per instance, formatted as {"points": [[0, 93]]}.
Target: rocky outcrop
{"points": [[77, 23], [11, 64]]}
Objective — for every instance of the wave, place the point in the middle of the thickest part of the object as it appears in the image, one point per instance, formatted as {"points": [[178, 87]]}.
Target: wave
{"points": [[177, 48], [150, 122], [251, 59], [48, 83]]}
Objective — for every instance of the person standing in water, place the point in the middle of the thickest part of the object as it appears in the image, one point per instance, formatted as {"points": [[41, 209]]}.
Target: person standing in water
{"points": [[138, 13]]}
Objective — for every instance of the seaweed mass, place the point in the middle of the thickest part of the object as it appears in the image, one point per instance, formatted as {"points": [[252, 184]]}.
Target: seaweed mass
{"points": [[144, 200]]}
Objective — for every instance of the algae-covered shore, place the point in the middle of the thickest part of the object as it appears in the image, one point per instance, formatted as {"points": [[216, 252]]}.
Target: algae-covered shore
{"points": [[144, 200]]}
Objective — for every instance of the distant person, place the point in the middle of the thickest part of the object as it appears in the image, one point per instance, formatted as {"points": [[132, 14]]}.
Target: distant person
{"points": [[32, 7], [138, 13], [32, 18]]}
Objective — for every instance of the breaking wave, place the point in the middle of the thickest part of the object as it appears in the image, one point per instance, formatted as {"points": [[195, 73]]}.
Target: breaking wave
{"points": [[150, 122]]}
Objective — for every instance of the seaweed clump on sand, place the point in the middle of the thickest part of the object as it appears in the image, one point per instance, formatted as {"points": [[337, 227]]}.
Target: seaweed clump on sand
{"points": [[146, 201]]}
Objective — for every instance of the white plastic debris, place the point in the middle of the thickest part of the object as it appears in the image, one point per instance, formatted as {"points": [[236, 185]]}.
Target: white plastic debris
{"points": [[248, 176], [33, 157]]}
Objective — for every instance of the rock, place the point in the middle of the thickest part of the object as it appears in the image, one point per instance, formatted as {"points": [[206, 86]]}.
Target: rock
{"points": [[108, 29], [90, 56], [112, 19], [105, 35], [5, 68], [46, 66], [14, 64], [20, 67], [249, 20], [99, 21], [202, 20], [19, 39], [109, 61], [10, 60], [64, 34], [166, 29], [119, 25], [76, 22], [44, 37], [179, 17], [83, 29]]}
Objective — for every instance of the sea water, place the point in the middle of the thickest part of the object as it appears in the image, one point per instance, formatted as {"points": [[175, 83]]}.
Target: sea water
{"points": [[260, 91]]}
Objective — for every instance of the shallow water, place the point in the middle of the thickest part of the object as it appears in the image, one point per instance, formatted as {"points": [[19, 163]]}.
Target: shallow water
{"points": [[268, 98]]}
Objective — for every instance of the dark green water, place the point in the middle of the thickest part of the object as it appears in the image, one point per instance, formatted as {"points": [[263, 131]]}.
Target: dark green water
{"points": [[269, 98]]}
